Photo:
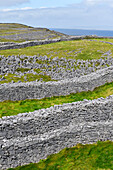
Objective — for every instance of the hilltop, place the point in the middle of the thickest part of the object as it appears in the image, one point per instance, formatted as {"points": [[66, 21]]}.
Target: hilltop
{"points": [[19, 33]]}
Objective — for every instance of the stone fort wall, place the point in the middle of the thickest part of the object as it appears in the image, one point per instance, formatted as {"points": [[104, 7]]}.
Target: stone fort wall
{"points": [[38, 90], [4, 46], [29, 137]]}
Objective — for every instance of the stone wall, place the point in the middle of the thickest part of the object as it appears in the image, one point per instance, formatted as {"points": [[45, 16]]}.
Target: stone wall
{"points": [[46, 41], [38, 90], [29, 137], [31, 43]]}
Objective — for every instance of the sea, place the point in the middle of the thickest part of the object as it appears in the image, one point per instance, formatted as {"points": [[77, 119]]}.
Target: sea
{"points": [[107, 33]]}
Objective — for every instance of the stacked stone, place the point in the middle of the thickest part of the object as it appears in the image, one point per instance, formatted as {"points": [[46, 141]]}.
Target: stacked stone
{"points": [[38, 90], [6, 43], [29, 137], [37, 41]]}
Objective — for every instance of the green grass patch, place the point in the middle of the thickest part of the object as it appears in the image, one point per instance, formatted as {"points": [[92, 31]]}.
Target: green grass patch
{"points": [[26, 78], [8, 108], [8, 40], [105, 39], [22, 69], [14, 25], [89, 50], [96, 156]]}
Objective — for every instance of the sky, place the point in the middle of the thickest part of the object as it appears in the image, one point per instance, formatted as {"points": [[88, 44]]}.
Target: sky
{"points": [[70, 14]]}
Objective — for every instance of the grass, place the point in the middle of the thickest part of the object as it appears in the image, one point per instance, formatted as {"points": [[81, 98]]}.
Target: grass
{"points": [[105, 39], [89, 50], [98, 156], [27, 77], [14, 25], [8, 108], [8, 40]]}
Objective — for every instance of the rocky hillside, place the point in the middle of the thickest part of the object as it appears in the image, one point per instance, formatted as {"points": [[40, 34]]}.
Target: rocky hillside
{"points": [[20, 33]]}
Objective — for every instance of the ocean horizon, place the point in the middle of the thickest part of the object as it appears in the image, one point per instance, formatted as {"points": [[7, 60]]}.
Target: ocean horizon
{"points": [[108, 33]]}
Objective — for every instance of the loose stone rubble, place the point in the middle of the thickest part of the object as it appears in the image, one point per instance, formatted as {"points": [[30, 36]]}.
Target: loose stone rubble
{"points": [[56, 68]]}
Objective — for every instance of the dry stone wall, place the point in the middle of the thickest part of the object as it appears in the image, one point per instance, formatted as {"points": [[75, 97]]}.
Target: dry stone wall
{"points": [[38, 90], [11, 45], [29, 137], [31, 43], [40, 42]]}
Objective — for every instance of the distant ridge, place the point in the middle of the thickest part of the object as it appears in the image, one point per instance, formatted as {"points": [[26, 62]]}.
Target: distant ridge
{"points": [[20, 33]]}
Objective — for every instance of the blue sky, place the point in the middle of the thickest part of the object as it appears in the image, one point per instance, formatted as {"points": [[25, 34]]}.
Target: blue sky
{"points": [[80, 14]]}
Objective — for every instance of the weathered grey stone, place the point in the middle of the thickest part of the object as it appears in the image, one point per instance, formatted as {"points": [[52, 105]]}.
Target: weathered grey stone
{"points": [[46, 131], [36, 90]]}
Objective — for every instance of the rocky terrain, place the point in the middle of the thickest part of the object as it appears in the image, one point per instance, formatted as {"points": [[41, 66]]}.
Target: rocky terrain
{"points": [[56, 68], [29, 137], [19, 32]]}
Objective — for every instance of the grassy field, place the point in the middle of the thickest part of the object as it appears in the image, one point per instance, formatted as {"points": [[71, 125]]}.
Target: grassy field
{"points": [[8, 108], [83, 50], [105, 39], [98, 156]]}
